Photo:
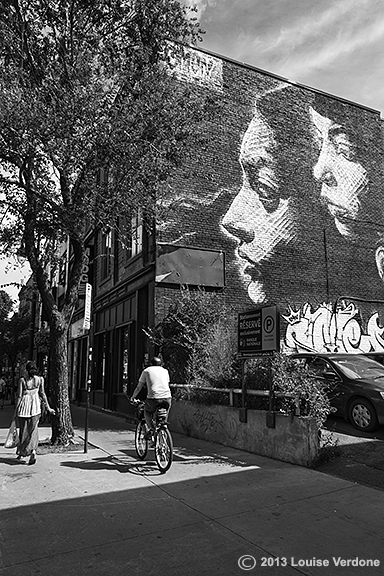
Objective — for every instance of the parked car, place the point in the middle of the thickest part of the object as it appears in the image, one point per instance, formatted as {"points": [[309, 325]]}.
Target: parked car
{"points": [[354, 385], [378, 356]]}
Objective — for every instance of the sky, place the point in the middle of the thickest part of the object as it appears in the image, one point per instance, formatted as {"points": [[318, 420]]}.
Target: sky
{"points": [[12, 277], [336, 46]]}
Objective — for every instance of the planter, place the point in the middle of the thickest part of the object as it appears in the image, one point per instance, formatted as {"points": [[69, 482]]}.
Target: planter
{"points": [[293, 440]]}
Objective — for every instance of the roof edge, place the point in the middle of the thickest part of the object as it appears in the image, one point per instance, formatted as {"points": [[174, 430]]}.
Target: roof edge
{"points": [[271, 74]]}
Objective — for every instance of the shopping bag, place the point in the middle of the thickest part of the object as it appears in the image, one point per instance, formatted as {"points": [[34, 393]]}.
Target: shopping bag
{"points": [[12, 439]]}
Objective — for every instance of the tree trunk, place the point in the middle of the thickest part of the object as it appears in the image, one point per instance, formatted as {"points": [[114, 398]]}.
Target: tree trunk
{"points": [[62, 429]]}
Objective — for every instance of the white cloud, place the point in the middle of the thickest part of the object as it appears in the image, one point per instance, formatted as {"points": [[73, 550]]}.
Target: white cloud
{"points": [[341, 16], [332, 51]]}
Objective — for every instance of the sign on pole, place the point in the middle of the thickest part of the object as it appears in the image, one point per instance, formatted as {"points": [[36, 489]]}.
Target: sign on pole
{"points": [[259, 331], [87, 309]]}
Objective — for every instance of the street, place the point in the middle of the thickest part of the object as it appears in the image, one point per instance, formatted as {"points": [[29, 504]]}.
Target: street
{"points": [[358, 456]]}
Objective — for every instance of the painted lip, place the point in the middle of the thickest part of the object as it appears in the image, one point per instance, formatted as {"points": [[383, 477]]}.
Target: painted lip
{"points": [[248, 263], [253, 272], [248, 267]]}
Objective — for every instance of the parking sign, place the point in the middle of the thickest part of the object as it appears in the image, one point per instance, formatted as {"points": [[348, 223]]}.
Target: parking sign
{"points": [[259, 330]]}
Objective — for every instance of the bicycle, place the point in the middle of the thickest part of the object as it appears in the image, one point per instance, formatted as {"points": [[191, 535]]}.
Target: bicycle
{"points": [[162, 439]]}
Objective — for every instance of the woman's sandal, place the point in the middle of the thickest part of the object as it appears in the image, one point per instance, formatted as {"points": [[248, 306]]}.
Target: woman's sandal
{"points": [[32, 459]]}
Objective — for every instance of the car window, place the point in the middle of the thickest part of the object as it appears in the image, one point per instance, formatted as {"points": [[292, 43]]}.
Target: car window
{"points": [[318, 366], [300, 361], [360, 367]]}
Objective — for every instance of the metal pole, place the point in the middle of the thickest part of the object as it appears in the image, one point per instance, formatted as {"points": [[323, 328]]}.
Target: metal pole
{"points": [[243, 409], [271, 403], [243, 392], [87, 402]]}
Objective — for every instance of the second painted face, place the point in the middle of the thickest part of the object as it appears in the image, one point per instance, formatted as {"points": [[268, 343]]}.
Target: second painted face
{"points": [[344, 181]]}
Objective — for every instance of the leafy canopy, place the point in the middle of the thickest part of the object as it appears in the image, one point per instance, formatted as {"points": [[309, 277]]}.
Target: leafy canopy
{"points": [[84, 85]]}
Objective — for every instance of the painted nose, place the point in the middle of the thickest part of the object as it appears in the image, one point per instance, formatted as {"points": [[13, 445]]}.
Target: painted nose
{"points": [[323, 168], [238, 228]]}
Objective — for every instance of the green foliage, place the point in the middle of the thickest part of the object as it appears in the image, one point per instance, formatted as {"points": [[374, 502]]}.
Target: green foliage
{"points": [[196, 339], [213, 361], [6, 304], [329, 449], [195, 393], [87, 88], [14, 337], [305, 396]]}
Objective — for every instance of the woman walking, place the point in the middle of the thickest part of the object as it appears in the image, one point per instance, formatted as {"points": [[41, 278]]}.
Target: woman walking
{"points": [[28, 410]]}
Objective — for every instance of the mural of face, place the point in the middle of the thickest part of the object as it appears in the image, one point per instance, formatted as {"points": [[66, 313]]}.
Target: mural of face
{"points": [[264, 217], [344, 181]]}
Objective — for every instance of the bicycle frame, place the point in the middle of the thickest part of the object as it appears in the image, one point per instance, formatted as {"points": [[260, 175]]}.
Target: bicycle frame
{"points": [[162, 439]]}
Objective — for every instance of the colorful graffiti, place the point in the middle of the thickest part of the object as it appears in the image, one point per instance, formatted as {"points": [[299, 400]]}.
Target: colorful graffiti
{"points": [[324, 330]]}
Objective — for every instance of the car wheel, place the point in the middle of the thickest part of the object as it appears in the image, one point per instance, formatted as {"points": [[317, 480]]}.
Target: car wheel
{"points": [[363, 415]]}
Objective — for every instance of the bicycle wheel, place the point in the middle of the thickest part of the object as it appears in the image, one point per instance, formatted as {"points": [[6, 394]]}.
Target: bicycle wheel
{"points": [[163, 449], [141, 443]]}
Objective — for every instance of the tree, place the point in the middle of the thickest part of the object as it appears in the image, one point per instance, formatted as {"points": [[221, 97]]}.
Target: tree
{"points": [[5, 305], [5, 309], [85, 85], [14, 338]]}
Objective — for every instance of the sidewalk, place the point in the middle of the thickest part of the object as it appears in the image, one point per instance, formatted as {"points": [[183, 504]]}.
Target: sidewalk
{"points": [[105, 513]]}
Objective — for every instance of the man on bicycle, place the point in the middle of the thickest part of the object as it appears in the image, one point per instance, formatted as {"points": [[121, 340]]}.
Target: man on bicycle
{"points": [[156, 378]]}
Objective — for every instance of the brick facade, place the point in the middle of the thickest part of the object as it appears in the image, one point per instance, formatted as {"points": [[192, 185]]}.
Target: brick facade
{"points": [[279, 201], [290, 180]]}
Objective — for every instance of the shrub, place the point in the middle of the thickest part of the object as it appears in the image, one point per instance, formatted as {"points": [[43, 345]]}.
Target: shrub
{"points": [[305, 396], [197, 340]]}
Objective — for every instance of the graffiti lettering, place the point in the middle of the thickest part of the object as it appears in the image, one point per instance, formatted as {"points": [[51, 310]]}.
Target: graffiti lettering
{"points": [[323, 330], [200, 68], [211, 421]]}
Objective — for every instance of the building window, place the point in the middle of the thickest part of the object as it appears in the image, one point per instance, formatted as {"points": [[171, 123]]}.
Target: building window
{"points": [[137, 234], [105, 254], [133, 241]]}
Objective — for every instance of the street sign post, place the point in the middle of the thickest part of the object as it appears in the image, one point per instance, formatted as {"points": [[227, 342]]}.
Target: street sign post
{"points": [[259, 335]]}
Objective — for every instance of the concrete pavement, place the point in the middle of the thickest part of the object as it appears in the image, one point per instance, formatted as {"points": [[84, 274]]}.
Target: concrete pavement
{"points": [[105, 513]]}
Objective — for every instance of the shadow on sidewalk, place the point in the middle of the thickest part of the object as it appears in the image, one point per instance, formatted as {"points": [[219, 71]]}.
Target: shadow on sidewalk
{"points": [[12, 461], [112, 463]]}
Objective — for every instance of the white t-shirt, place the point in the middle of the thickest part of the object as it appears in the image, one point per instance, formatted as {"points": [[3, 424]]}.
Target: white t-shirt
{"points": [[157, 380]]}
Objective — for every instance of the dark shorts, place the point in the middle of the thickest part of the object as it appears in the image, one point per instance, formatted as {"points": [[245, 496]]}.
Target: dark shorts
{"points": [[152, 403]]}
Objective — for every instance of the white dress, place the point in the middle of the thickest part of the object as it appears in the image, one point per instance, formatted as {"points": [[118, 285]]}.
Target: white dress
{"points": [[30, 404]]}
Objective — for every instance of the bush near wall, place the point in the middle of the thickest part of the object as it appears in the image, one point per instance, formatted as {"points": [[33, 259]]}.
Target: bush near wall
{"points": [[198, 340]]}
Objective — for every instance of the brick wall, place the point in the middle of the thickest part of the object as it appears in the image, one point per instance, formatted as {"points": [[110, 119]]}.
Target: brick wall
{"points": [[295, 178]]}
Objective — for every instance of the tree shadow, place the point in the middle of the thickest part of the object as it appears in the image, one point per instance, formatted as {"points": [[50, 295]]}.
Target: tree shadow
{"points": [[146, 468]]}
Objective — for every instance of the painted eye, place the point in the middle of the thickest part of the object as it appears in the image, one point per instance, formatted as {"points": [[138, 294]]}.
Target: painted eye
{"points": [[262, 180], [343, 146]]}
